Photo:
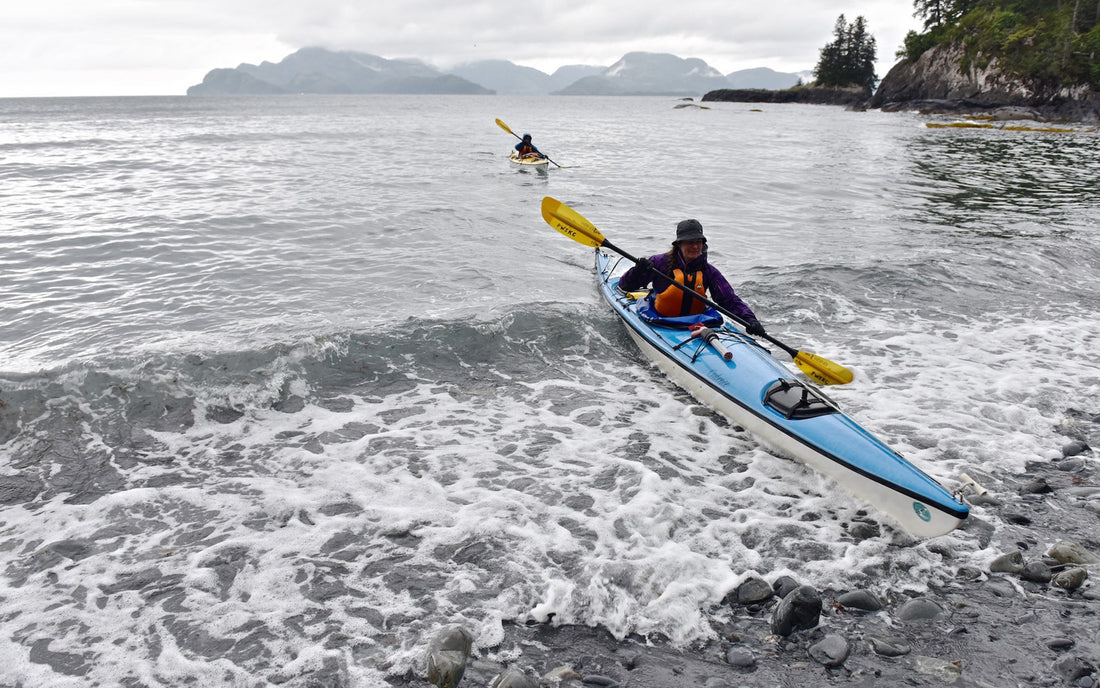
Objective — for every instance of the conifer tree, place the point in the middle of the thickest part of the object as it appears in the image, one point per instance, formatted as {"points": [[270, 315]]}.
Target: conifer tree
{"points": [[850, 58], [938, 13]]}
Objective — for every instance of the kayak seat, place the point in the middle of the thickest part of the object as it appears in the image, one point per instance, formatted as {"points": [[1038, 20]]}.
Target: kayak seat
{"points": [[708, 318], [795, 401]]}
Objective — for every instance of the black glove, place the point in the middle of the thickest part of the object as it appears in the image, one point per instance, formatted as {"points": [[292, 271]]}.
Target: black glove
{"points": [[645, 266], [755, 328]]}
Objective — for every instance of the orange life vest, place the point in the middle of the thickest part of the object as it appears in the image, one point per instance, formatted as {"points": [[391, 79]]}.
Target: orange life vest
{"points": [[674, 302]]}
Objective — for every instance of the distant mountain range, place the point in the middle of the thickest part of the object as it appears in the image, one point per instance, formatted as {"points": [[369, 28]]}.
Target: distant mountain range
{"points": [[318, 70]]}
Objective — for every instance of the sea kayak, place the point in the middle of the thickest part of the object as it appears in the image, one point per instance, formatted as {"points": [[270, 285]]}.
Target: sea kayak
{"points": [[725, 368], [530, 162]]}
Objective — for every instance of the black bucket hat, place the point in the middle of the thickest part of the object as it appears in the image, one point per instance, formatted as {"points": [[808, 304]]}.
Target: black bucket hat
{"points": [[688, 230]]}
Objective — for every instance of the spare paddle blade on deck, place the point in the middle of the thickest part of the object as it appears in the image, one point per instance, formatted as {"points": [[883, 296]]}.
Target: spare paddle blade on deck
{"points": [[570, 223], [822, 370]]}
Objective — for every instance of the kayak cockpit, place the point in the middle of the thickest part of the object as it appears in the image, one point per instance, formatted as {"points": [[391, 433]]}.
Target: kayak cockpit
{"points": [[795, 400], [647, 311]]}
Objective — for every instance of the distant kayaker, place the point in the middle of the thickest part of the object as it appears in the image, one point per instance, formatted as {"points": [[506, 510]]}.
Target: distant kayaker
{"points": [[526, 149], [687, 262]]}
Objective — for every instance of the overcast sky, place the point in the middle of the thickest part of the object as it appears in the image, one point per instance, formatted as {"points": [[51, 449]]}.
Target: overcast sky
{"points": [[160, 47]]}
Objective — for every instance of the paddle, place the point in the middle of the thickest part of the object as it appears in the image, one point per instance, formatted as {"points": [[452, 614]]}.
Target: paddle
{"points": [[573, 225], [504, 126]]}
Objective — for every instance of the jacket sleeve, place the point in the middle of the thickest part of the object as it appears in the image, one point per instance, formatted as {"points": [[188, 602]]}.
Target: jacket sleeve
{"points": [[634, 279], [724, 295]]}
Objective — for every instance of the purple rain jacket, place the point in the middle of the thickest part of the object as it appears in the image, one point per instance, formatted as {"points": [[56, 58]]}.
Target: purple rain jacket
{"points": [[717, 286]]}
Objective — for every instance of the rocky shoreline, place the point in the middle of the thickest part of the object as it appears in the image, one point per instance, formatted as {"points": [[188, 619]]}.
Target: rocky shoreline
{"points": [[960, 635], [1030, 617], [1086, 111]]}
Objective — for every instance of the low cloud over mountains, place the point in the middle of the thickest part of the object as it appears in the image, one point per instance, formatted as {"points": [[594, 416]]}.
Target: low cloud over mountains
{"points": [[317, 70]]}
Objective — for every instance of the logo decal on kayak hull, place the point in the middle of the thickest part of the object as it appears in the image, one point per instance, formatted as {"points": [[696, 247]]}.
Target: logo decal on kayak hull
{"points": [[922, 511]]}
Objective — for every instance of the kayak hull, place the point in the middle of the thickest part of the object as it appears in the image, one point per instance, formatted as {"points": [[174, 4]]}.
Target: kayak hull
{"points": [[755, 391], [540, 164]]}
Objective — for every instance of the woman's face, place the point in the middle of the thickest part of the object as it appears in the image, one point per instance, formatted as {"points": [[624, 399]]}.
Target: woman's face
{"points": [[691, 249]]}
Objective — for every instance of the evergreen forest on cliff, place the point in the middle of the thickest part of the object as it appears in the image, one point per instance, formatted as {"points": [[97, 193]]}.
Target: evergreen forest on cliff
{"points": [[1054, 42]]}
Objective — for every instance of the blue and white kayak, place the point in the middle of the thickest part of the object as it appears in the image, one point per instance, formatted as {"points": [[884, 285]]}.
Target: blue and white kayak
{"points": [[728, 370]]}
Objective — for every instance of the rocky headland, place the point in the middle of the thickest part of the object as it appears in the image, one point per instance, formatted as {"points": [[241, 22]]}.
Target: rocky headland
{"points": [[938, 83]]}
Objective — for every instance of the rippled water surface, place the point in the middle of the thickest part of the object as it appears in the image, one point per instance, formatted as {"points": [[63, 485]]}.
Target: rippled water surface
{"points": [[293, 383]]}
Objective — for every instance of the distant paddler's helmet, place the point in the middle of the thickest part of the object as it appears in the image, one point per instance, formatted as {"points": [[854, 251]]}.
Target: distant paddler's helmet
{"points": [[526, 137]]}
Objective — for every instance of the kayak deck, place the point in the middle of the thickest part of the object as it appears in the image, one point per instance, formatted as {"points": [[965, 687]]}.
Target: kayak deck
{"points": [[742, 380], [528, 161]]}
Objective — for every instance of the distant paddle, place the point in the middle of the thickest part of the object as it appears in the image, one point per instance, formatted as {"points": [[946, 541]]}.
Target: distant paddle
{"points": [[573, 225], [504, 126]]}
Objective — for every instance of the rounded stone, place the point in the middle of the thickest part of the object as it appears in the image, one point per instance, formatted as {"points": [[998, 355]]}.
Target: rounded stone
{"points": [[784, 585], [754, 591], [831, 651], [889, 647], [1071, 465], [1070, 579], [1073, 668], [968, 573], [920, 609], [514, 678], [1037, 486], [1074, 448], [798, 611], [1036, 572], [740, 657], [864, 600], [1001, 587], [1068, 552], [1012, 562]]}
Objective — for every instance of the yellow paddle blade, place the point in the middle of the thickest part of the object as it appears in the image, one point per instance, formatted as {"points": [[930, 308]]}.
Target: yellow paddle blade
{"points": [[822, 370], [570, 223], [504, 126]]}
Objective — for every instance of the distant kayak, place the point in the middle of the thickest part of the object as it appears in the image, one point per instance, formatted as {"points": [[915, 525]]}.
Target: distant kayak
{"points": [[724, 367], [531, 161]]}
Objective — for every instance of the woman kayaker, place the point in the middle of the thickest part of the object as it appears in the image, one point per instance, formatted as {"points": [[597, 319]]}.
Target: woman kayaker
{"points": [[687, 262], [527, 149]]}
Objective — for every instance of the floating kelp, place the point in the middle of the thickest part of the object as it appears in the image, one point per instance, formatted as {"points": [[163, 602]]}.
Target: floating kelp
{"points": [[957, 125], [1057, 130], [1006, 127]]}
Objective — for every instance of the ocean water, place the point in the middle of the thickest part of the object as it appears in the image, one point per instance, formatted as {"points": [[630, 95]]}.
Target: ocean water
{"points": [[292, 383]]}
